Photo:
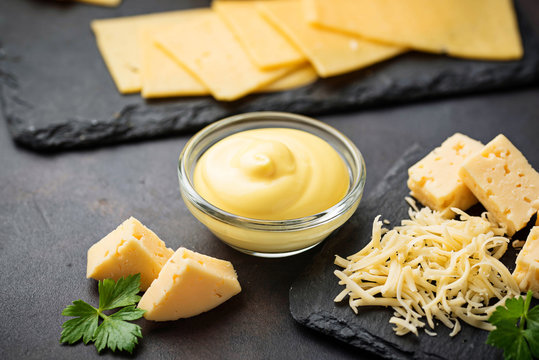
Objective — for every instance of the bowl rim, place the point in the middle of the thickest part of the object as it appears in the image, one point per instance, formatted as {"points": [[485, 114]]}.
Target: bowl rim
{"points": [[354, 193]]}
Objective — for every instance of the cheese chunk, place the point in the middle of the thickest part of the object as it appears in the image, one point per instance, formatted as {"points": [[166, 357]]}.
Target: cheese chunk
{"points": [[265, 45], [215, 57], [434, 179], [527, 271], [118, 42], [482, 29], [130, 249], [504, 182], [189, 284], [331, 53]]}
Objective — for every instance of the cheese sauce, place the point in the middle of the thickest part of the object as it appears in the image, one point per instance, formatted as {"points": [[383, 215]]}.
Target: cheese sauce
{"points": [[272, 174]]}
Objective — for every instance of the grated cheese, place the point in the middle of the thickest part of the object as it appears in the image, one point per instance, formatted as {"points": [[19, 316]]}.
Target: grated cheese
{"points": [[430, 268]]}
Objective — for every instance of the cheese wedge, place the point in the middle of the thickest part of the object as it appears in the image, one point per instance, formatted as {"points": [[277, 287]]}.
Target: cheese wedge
{"points": [[479, 29], [215, 56], [527, 271], [266, 47], [331, 53], [130, 249], [504, 182], [102, 2], [117, 40], [434, 179], [189, 284]]}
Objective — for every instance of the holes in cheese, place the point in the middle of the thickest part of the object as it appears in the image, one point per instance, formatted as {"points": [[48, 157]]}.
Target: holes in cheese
{"points": [[189, 284], [430, 267], [484, 29], [434, 179], [330, 53], [130, 249], [504, 182]]}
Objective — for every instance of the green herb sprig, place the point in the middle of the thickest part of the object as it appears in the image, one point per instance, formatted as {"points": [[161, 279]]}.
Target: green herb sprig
{"points": [[113, 330], [517, 329]]}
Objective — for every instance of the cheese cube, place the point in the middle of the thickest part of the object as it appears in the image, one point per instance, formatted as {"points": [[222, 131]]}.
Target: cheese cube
{"points": [[434, 179], [527, 271], [130, 249], [189, 284], [504, 182]]}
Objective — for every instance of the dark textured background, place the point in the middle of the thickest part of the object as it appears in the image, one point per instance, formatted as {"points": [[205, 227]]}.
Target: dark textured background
{"points": [[57, 93], [54, 207]]}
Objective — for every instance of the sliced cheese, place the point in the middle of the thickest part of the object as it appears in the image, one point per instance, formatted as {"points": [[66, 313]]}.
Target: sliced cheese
{"points": [[434, 179], [102, 2], [431, 268], [130, 249], [117, 40], [266, 46], [504, 182], [527, 271], [482, 29], [331, 53], [189, 284], [161, 75], [215, 57], [303, 76]]}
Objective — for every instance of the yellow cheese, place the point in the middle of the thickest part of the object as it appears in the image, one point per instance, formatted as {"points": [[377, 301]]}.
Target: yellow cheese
{"points": [[265, 45], [189, 284], [484, 29], [504, 182], [434, 179], [331, 53], [117, 40], [130, 249], [102, 2], [161, 75], [527, 271], [304, 75], [215, 56]]}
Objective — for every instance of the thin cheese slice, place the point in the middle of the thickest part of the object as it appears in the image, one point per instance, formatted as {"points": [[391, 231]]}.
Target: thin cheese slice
{"points": [[215, 56], [331, 53], [266, 46], [303, 76], [161, 75], [110, 3], [482, 29], [117, 40]]}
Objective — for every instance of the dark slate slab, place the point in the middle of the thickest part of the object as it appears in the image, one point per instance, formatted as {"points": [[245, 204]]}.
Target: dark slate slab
{"points": [[55, 91], [312, 294]]}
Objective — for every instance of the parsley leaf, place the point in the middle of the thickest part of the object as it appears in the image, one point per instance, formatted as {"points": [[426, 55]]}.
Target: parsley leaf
{"points": [[114, 331], [511, 334]]}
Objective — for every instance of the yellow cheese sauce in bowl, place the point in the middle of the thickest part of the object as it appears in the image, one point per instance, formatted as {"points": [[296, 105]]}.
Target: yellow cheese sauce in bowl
{"points": [[271, 184]]}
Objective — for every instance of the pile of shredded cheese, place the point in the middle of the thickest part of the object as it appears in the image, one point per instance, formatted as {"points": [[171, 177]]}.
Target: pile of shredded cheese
{"points": [[431, 267]]}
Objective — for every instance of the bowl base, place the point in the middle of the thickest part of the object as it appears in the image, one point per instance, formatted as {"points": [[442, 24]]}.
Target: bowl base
{"points": [[274, 255]]}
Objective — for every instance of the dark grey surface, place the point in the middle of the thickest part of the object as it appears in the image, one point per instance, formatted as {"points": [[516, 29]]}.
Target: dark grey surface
{"points": [[56, 92], [53, 208], [312, 293]]}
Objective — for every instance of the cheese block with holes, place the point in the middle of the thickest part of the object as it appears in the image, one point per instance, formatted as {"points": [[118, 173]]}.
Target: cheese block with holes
{"points": [[130, 249], [504, 182], [434, 179], [189, 284]]}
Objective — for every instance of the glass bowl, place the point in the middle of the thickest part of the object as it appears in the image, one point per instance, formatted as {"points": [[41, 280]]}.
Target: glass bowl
{"points": [[270, 238]]}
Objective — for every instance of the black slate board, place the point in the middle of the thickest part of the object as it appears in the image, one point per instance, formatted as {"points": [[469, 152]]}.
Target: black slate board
{"points": [[312, 294], [55, 91]]}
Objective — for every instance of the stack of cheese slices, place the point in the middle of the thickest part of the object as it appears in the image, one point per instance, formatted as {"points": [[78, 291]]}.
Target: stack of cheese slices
{"points": [[240, 47], [437, 267]]}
